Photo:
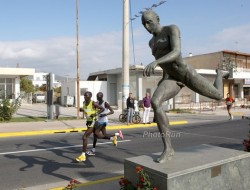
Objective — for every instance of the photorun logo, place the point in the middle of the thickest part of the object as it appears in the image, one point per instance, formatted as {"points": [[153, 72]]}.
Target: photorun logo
{"points": [[148, 134]]}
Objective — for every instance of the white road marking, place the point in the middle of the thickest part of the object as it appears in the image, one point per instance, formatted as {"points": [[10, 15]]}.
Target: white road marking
{"points": [[56, 148]]}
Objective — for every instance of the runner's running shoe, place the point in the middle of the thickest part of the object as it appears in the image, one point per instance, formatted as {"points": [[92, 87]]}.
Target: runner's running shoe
{"points": [[115, 140], [120, 134], [90, 153], [81, 158]]}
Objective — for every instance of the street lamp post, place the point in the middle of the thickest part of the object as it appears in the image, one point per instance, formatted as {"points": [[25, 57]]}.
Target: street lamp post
{"points": [[125, 53]]}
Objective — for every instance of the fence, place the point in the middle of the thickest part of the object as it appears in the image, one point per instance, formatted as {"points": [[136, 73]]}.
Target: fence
{"points": [[184, 102]]}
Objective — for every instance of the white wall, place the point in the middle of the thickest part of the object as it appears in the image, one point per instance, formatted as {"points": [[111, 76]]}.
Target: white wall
{"points": [[69, 89], [17, 86], [94, 87], [241, 75], [39, 79]]}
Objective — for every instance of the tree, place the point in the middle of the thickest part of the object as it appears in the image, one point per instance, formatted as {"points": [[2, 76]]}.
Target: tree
{"points": [[26, 85], [229, 64], [43, 88], [58, 89]]}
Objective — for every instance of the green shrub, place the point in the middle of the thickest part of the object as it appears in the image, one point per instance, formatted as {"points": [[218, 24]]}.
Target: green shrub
{"points": [[8, 108]]}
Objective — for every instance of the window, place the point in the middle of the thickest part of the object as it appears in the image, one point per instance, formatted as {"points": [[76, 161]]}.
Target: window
{"points": [[2, 91], [9, 80], [236, 90], [247, 92], [7, 88]]}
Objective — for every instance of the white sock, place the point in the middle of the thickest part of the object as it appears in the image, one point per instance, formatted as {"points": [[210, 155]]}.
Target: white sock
{"points": [[83, 153], [93, 149]]}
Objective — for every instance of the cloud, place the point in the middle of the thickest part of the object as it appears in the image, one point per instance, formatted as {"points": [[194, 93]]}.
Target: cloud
{"points": [[237, 38], [104, 51], [234, 38], [58, 55]]}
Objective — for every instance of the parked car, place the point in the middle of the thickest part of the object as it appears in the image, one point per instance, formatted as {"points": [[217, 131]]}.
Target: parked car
{"points": [[38, 98]]}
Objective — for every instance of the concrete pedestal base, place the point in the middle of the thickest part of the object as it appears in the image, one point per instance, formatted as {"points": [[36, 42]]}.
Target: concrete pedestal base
{"points": [[202, 167]]}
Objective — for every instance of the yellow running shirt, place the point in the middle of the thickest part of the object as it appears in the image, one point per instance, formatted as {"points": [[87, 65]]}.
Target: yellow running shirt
{"points": [[88, 110]]}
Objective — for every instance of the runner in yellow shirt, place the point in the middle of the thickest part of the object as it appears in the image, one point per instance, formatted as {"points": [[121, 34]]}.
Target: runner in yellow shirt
{"points": [[90, 111]]}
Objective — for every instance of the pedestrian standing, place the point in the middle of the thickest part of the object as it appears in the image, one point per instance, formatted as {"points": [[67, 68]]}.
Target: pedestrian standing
{"points": [[146, 108], [130, 108], [136, 105]]}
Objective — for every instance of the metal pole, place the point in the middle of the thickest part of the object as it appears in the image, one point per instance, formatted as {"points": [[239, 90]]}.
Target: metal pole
{"points": [[52, 76], [50, 106], [77, 64], [125, 53]]}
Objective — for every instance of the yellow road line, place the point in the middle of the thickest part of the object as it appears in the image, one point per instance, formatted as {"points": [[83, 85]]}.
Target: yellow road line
{"points": [[92, 182], [143, 125], [42, 132], [80, 129]]}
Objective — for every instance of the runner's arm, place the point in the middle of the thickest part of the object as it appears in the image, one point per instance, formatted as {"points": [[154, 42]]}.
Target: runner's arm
{"points": [[111, 111]]}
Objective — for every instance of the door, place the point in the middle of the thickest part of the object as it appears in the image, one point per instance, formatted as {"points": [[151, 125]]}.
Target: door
{"points": [[113, 94]]}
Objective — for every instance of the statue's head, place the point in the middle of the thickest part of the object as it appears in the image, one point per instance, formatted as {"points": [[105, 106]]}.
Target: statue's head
{"points": [[150, 20]]}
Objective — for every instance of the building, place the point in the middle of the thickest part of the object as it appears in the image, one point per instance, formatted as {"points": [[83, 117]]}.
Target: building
{"points": [[139, 85], [69, 91], [39, 79], [237, 85], [10, 80]]}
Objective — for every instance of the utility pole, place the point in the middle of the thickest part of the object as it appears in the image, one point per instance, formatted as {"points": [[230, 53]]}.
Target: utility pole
{"points": [[77, 65], [125, 53]]}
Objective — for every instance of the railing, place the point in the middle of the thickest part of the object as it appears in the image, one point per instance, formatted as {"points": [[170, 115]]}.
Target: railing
{"points": [[211, 105], [243, 69]]}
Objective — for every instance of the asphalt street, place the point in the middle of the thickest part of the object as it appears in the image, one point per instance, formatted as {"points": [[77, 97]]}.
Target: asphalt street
{"points": [[47, 161]]}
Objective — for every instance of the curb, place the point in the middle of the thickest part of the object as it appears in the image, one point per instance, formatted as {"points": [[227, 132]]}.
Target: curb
{"points": [[81, 129], [100, 181]]}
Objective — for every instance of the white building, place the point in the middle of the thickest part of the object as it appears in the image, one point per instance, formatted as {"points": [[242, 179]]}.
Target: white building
{"points": [[39, 79], [69, 91], [10, 80]]}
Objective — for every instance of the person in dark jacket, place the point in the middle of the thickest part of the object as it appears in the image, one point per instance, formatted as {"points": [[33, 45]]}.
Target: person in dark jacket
{"points": [[130, 108]]}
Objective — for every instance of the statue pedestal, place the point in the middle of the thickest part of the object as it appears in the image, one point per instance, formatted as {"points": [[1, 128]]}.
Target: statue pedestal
{"points": [[202, 167]]}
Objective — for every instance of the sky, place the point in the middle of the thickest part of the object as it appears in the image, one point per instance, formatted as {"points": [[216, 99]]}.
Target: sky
{"points": [[41, 34]]}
